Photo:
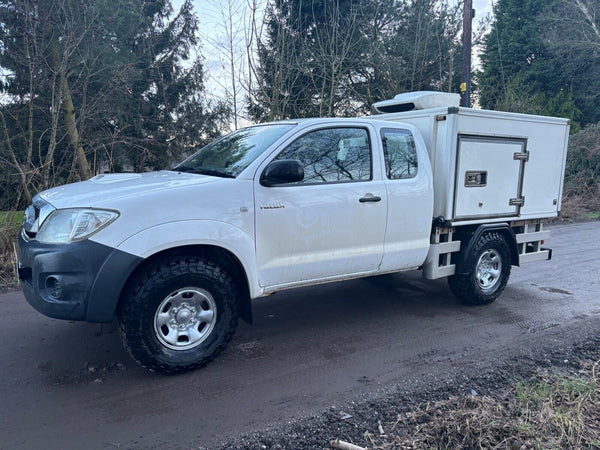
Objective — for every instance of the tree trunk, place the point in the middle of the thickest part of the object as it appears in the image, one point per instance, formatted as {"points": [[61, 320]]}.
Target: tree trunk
{"points": [[66, 101], [83, 167]]}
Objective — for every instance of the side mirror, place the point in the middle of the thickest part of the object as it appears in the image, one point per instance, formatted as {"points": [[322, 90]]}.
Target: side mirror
{"points": [[282, 172]]}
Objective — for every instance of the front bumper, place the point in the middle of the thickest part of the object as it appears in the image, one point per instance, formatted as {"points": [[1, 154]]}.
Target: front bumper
{"points": [[78, 281]]}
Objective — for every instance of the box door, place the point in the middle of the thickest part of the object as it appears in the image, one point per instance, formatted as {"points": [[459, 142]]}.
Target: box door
{"points": [[489, 174]]}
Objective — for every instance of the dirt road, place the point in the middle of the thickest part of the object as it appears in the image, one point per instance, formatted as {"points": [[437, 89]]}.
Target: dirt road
{"points": [[71, 385]]}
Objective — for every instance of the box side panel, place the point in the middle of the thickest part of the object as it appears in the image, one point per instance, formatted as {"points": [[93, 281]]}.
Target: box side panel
{"points": [[545, 143]]}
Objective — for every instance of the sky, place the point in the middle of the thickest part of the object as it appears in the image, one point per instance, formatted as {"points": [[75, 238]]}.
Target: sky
{"points": [[482, 7]]}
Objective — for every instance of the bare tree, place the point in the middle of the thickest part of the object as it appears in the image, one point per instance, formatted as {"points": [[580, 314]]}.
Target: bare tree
{"points": [[572, 33], [227, 38], [338, 57], [332, 52], [583, 20]]}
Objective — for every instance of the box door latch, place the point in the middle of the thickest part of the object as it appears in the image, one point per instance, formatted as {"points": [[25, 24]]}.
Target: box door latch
{"points": [[523, 156], [518, 201]]}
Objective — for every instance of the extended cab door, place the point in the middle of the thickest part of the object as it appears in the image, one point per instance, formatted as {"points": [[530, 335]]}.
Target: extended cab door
{"points": [[409, 184], [330, 224]]}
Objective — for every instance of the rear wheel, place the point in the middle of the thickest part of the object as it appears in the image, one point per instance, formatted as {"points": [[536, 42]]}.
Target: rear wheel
{"points": [[178, 314], [488, 269]]}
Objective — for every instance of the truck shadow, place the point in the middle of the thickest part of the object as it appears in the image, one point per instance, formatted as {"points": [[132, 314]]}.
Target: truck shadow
{"points": [[335, 319]]}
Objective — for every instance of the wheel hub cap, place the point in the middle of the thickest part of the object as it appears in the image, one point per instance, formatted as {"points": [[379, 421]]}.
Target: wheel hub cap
{"points": [[488, 269], [185, 318], [184, 315]]}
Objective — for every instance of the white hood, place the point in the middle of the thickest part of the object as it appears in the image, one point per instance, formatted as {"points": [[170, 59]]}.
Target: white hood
{"points": [[104, 188]]}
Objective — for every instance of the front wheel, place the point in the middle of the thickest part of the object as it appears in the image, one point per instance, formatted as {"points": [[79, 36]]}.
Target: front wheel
{"points": [[178, 314], [488, 269]]}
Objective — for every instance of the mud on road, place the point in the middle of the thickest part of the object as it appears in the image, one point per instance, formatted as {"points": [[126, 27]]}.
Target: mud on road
{"points": [[362, 348]]}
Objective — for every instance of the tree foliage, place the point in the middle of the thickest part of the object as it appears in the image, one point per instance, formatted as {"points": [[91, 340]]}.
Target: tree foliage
{"points": [[543, 57], [338, 57], [582, 172], [572, 31], [91, 85]]}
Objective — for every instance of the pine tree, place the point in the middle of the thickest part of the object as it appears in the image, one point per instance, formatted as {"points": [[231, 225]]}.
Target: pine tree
{"points": [[92, 84], [520, 72]]}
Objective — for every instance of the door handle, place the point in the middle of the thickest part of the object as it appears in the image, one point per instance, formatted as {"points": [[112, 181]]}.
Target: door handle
{"points": [[369, 198]]}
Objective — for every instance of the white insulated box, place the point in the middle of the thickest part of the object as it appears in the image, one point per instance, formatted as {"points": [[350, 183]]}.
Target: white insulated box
{"points": [[492, 165]]}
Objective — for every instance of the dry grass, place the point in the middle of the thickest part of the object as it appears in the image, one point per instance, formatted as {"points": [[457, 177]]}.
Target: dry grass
{"points": [[581, 195], [581, 206], [10, 222], [546, 412]]}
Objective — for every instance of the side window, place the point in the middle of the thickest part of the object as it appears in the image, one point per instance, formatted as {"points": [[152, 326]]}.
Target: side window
{"points": [[400, 154], [332, 155]]}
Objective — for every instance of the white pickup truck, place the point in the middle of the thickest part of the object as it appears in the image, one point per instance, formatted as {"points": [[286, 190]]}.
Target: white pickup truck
{"points": [[177, 255]]}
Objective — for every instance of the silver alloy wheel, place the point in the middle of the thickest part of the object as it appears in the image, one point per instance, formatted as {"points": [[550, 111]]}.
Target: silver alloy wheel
{"points": [[488, 269], [185, 318]]}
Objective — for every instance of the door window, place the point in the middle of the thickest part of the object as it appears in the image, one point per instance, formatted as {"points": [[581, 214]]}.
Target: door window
{"points": [[400, 154], [332, 155]]}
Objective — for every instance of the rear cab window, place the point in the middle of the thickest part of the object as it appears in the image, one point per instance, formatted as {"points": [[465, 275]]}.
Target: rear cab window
{"points": [[400, 154]]}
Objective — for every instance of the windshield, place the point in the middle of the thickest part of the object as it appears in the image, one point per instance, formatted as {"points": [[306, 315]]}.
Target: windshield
{"points": [[229, 155]]}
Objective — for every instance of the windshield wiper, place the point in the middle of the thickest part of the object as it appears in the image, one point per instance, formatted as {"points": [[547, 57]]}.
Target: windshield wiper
{"points": [[204, 171], [189, 169]]}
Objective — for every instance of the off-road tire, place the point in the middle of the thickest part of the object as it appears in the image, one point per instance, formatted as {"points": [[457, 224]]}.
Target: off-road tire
{"points": [[466, 286], [145, 293]]}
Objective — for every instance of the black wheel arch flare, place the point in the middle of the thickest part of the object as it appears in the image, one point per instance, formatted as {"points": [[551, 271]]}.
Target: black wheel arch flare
{"points": [[217, 254], [469, 237]]}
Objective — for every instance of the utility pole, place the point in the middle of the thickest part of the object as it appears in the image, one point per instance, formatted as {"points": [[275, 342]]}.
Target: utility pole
{"points": [[465, 86]]}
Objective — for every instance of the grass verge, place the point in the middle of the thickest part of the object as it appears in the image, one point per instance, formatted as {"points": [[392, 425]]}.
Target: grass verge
{"points": [[10, 222], [547, 411]]}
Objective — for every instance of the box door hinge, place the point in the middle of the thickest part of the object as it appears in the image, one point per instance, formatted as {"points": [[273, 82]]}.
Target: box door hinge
{"points": [[524, 156], [518, 201]]}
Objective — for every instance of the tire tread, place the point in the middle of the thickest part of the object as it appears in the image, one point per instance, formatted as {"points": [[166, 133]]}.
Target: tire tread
{"points": [[463, 285], [134, 305]]}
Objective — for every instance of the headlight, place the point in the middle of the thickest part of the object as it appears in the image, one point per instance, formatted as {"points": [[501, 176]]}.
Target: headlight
{"points": [[69, 225]]}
